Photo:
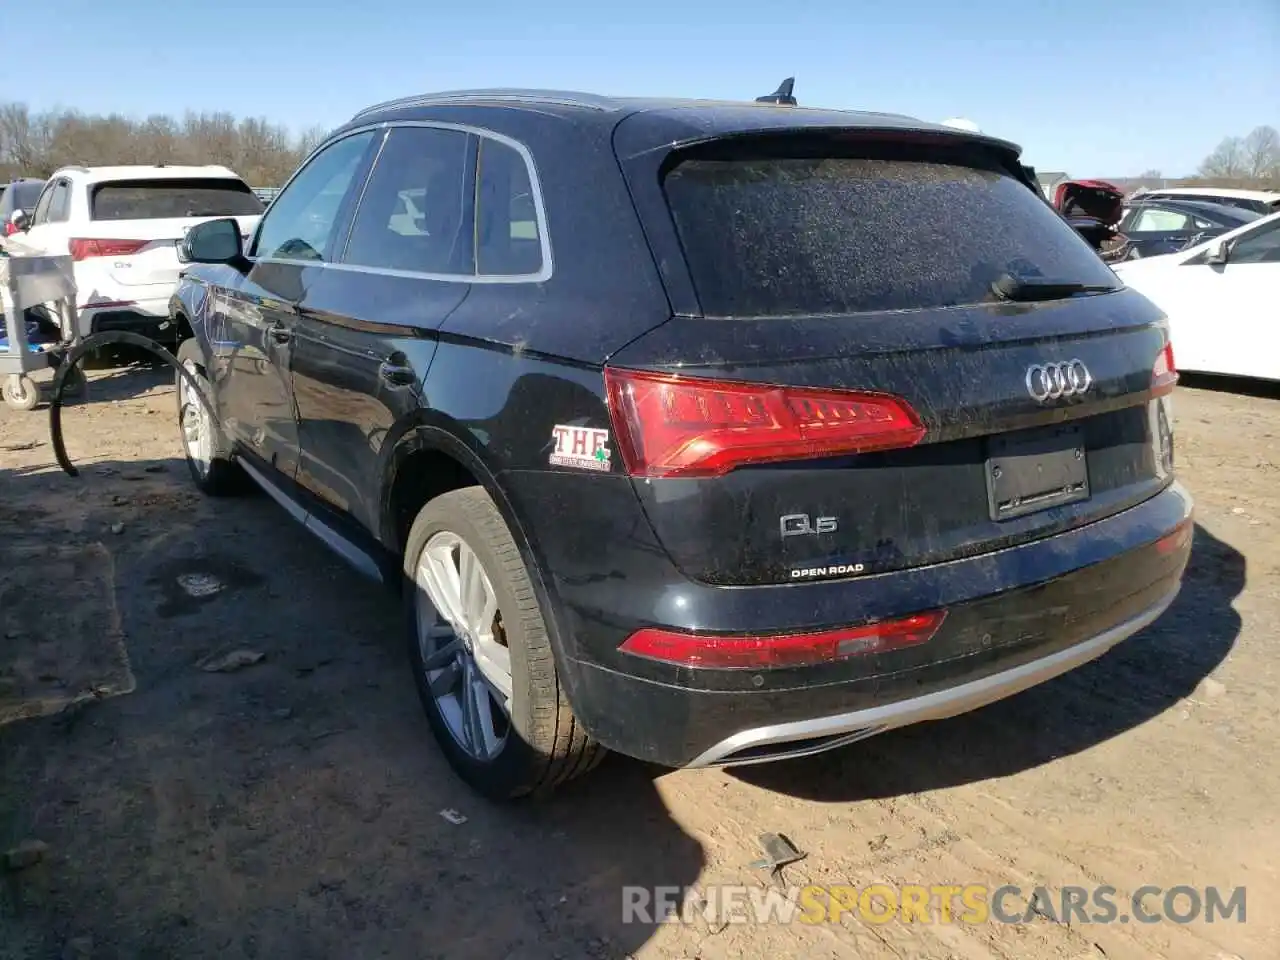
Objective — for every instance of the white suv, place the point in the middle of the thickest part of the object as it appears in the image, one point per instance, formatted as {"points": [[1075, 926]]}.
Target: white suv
{"points": [[122, 225]]}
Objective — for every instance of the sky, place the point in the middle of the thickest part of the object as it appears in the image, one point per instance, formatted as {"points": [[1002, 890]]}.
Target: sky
{"points": [[1088, 87]]}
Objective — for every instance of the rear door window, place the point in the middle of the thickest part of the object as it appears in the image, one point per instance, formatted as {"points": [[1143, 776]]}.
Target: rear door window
{"points": [[172, 199], [893, 229]]}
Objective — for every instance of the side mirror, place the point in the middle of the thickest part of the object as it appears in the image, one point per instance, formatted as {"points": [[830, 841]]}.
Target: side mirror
{"points": [[21, 220], [214, 241], [1219, 253]]}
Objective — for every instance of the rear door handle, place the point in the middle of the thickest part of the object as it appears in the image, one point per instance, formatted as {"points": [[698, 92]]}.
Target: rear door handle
{"points": [[281, 334], [398, 374]]}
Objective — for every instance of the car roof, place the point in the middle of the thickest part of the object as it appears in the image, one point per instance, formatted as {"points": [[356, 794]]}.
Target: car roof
{"points": [[1266, 196], [672, 119], [146, 172]]}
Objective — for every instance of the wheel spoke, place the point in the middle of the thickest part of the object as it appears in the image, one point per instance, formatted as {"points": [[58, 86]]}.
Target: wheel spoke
{"points": [[493, 663], [477, 708], [446, 681], [442, 654], [472, 588], [447, 592]]}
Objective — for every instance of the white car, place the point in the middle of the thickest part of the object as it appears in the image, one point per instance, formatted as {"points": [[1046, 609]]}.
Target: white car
{"points": [[122, 226], [1222, 298]]}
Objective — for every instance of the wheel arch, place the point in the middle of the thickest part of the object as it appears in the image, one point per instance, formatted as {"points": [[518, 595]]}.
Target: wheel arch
{"points": [[423, 447]]}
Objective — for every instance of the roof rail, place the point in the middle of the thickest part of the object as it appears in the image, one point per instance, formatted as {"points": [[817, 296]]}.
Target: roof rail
{"points": [[563, 98]]}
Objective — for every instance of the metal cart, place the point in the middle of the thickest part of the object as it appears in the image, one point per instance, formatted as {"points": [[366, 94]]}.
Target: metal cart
{"points": [[27, 282]]}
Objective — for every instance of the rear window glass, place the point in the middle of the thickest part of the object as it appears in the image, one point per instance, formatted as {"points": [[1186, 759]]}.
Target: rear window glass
{"points": [[21, 196], [169, 199], [785, 235]]}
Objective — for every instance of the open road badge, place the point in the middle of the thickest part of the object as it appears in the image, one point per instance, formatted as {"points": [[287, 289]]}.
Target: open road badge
{"points": [[583, 447]]}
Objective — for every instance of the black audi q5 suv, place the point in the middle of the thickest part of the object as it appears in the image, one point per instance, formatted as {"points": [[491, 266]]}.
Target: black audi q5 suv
{"points": [[704, 432]]}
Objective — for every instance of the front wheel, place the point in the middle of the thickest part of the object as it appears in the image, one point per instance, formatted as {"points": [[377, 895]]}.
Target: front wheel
{"points": [[203, 442], [481, 655]]}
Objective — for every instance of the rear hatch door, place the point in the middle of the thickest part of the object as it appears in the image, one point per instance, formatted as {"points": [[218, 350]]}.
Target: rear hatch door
{"points": [[888, 351], [137, 224]]}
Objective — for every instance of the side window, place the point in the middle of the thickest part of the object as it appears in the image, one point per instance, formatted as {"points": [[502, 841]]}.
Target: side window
{"points": [[60, 202], [416, 210], [301, 221], [1157, 220], [1261, 246], [41, 212], [508, 235]]}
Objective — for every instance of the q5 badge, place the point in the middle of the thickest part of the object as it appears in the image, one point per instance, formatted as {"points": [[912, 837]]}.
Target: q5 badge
{"points": [[582, 447]]}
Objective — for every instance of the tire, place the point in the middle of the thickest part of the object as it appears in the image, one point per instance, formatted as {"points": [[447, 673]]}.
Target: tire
{"points": [[544, 744], [21, 392], [221, 476]]}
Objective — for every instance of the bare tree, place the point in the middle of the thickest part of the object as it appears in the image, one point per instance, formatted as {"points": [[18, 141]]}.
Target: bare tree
{"points": [[1226, 162], [1261, 154], [36, 144]]}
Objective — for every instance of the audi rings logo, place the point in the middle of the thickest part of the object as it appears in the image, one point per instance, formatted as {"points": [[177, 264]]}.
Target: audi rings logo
{"points": [[1058, 381]]}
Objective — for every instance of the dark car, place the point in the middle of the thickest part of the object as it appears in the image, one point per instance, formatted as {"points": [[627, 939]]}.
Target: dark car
{"points": [[709, 433], [1262, 202], [1155, 227], [14, 196]]}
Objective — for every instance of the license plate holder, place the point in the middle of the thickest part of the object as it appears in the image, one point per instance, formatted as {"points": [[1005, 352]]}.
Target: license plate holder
{"points": [[1033, 471]]}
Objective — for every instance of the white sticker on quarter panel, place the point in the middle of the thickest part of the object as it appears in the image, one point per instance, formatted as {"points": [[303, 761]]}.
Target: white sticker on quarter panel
{"points": [[583, 447]]}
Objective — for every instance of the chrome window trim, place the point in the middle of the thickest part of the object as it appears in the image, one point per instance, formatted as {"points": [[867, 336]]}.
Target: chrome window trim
{"points": [[535, 185]]}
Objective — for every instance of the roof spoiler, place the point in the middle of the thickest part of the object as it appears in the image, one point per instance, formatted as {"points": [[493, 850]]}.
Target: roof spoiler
{"points": [[782, 95]]}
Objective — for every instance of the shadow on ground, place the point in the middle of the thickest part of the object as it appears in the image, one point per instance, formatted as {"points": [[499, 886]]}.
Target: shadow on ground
{"points": [[292, 808], [1135, 682]]}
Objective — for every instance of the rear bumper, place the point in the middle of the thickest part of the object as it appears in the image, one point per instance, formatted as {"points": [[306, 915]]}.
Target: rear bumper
{"points": [[1015, 618], [803, 737], [149, 317]]}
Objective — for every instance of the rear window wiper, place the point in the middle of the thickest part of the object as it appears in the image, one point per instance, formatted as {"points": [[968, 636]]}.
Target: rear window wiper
{"points": [[1025, 289]]}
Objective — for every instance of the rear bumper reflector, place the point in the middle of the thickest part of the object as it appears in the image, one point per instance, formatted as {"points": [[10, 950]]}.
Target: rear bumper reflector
{"points": [[787, 650]]}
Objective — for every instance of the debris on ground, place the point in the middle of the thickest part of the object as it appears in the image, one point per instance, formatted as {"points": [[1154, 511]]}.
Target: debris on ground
{"points": [[779, 851], [453, 816], [24, 445], [229, 662], [1211, 688], [26, 854], [200, 584], [117, 528]]}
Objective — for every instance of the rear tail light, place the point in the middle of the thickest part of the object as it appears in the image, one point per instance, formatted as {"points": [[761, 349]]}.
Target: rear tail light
{"points": [[1176, 540], [690, 427], [10, 229], [83, 249], [787, 650], [1164, 374]]}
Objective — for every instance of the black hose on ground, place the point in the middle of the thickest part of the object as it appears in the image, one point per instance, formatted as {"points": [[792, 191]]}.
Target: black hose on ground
{"points": [[72, 360]]}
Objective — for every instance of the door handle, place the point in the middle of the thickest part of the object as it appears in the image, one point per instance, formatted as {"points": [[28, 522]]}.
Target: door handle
{"points": [[280, 334], [397, 374]]}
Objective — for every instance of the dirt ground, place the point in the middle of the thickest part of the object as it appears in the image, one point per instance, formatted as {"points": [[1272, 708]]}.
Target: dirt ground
{"points": [[292, 808]]}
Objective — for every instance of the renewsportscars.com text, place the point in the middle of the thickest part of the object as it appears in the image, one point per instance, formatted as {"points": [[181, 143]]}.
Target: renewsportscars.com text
{"points": [[939, 903]]}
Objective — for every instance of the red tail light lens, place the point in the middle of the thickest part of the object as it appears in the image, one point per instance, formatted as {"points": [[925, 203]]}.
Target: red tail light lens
{"points": [[83, 249], [1164, 374], [10, 229], [688, 427], [788, 650]]}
